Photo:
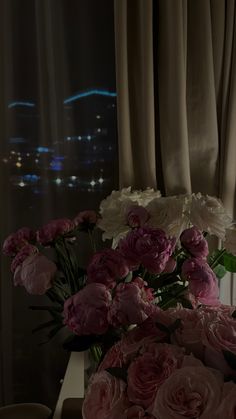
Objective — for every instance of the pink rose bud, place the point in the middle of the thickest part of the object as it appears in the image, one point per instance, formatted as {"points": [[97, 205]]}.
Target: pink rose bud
{"points": [[25, 251], [192, 240]]}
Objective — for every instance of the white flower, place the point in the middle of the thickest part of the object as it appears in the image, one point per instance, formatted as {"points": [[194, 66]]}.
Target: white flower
{"points": [[208, 214], [169, 214], [114, 210], [230, 240]]}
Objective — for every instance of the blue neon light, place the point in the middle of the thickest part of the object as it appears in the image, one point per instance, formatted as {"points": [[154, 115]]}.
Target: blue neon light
{"points": [[89, 93], [21, 103], [44, 149]]}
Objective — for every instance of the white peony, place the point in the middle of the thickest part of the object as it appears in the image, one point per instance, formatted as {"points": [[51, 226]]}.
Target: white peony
{"points": [[208, 214], [169, 214], [230, 240], [114, 210]]}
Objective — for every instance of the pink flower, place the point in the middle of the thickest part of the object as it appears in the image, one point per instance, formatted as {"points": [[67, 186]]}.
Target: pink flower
{"points": [[105, 398], [149, 247], [202, 281], [49, 232], [193, 240], [86, 220], [85, 313], [25, 251], [137, 216], [136, 412], [189, 392], [36, 274], [227, 408], [16, 241], [131, 304], [113, 358], [189, 332], [106, 267], [149, 371], [219, 334]]}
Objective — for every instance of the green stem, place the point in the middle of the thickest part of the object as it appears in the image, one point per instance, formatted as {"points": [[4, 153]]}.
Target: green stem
{"points": [[167, 303], [92, 241], [216, 261]]}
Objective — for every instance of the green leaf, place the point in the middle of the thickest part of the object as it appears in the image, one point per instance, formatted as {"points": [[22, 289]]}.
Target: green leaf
{"points": [[220, 271], [234, 314], [230, 262], [117, 372], [230, 358], [129, 277]]}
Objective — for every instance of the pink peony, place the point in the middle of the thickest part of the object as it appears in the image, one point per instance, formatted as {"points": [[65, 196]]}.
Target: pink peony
{"points": [[49, 232], [190, 392], [193, 240], [16, 241], [202, 281], [86, 220], [149, 371], [85, 313], [36, 274], [106, 267], [137, 216], [131, 304], [149, 247], [25, 251], [105, 398]]}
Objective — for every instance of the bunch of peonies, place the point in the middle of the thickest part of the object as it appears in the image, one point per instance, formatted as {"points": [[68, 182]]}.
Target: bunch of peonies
{"points": [[175, 364]]}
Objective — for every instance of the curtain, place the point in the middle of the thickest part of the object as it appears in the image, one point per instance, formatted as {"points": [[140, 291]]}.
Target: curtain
{"points": [[57, 146], [176, 84]]}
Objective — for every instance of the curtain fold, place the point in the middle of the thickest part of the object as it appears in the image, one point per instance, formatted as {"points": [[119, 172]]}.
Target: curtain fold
{"points": [[191, 58]]}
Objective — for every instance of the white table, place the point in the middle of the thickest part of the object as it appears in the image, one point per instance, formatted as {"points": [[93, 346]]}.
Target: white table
{"points": [[73, 383]]}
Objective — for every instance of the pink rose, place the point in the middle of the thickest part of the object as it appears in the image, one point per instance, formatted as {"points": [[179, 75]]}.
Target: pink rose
{"points": [[105, 398], [136, 412], [86, 220], [86, 312], [140, 337], [227, 408], [202, 281], [219, 334], [190, 392], [193, 240], [113, 358], [36, 274], [189, 333], [149, 247], [25, 251], [16, 241], [131, 304], [106, 267], [149, 371], [137, 216], [49, 232]]}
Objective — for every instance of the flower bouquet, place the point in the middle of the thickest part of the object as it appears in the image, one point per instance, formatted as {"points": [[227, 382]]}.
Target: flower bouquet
{"points": [[158, 257], [179, 363]]}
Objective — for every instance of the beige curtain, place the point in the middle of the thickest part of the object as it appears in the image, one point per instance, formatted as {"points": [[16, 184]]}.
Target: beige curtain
{"points": [[176, 83]]}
